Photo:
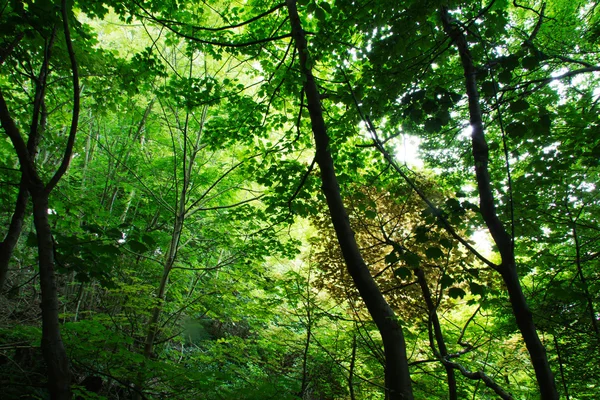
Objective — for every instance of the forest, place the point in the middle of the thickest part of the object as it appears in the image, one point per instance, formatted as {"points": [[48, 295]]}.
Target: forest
{"points": [[299, 199]]}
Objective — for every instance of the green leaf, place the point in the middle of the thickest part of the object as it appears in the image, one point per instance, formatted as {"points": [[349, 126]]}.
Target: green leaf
{"points": [[402, 272], [446, 281], [137, 247], [411, 259], [93, 228], [530, 62], [434, 252], [516, 129], [489, 88], [500, 5], [455, 293], [415, 114], [371, 214], [391, 258], [114, 233], [453, 204], [433, 125], [477, 288], [430, 106], [545, 123], [320, 14], [467, 205], [511, 62], [518, 106], [149, 240], [505, 76], [443, 117], [106, 249], [446, 243], [421, 234]]}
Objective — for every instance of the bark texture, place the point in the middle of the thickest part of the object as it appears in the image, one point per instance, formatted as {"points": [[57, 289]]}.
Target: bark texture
{"points": [[397, 377]]}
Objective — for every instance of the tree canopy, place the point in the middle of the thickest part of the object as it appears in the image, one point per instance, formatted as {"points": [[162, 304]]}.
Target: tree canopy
{"points": [[218, 200]]}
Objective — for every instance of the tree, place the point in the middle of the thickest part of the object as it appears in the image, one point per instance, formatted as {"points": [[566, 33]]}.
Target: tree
{"points": [[398, 385], [426, 111], [173, 251], [52, 345]]}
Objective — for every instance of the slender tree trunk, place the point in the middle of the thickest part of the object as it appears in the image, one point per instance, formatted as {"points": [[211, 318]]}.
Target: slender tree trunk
{"points": [[397, 375], [504, 241], [351, 368], [80, 297], [562, 370], [179, 219], [442, 354], [584, 283], [437, 329], [524, 319], [7, 246], [305, 377], [160, 295]]}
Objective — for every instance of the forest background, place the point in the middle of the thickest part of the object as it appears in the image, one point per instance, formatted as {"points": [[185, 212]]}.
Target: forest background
{"points": [[299, 200]]}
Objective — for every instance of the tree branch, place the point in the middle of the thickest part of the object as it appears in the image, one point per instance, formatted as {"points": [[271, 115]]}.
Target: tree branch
{"points": [[436, 211], [76, 105], [220, 28], [302, 182]]}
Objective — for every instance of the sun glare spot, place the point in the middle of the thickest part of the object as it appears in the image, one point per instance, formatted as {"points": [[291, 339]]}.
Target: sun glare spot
{"points": [[407, 151], [465, 134]]}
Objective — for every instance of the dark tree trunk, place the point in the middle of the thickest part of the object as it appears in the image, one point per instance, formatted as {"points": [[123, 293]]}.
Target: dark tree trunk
{"points": [[59, 375], [442, 354], [7, 247], [437, 329], [53, 348], [397, 376], [501, 237], [524, 318]]}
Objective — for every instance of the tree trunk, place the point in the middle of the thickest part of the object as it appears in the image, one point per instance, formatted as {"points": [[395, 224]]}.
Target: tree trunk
{"points": [[437, 329], [351, 368], [397, 376], [59, 376], [14, 231], [504, 241], [524, 318], [53, 350], [584, 283]]}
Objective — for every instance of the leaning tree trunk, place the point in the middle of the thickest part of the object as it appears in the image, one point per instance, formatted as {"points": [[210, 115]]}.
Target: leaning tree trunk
{"points": [[397, 376], [9, 243], [502, 239], [15, 227]]}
